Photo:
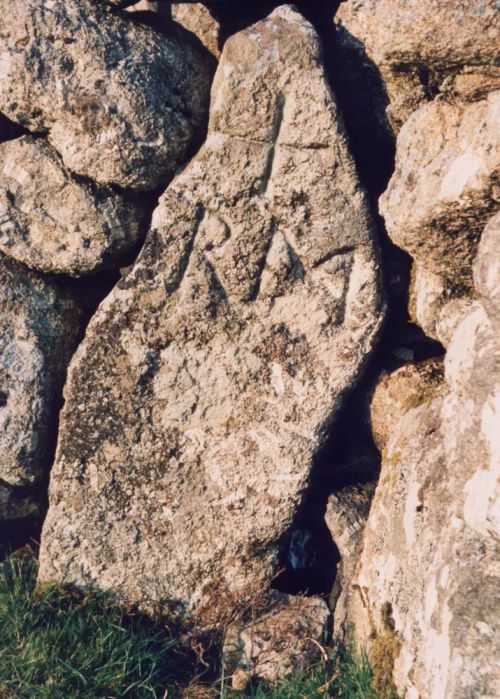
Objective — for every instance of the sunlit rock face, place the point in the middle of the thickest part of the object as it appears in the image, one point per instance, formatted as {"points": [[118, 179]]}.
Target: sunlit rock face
{"points": [[208, 378], [54, 222], [423, 48], [423, 596], [197, 19], [121, 103], [420, 594], [442, 193]]}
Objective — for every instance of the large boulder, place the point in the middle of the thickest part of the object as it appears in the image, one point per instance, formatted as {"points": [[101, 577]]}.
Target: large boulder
{"points": [[424, 596], [445, 186], [39, 326], [121, 103], [423, 48], [54, 222], [208, 378], [444, 189]]}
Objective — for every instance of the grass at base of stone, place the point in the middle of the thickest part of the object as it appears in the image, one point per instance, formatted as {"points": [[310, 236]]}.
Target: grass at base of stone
{"points": [[57, 643], [341, 677]]}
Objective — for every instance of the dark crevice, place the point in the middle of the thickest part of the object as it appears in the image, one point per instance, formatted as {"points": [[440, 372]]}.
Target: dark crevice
{"points": [[236, 16], [16, 533], [9, 130], [363, 100], [349, 456], [430, 89]]}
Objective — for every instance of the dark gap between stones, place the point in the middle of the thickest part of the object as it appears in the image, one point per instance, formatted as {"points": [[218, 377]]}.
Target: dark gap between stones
{"points": [[349, 456], [9, 130]]}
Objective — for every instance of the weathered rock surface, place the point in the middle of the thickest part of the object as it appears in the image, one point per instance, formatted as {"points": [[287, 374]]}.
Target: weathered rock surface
{"points": [[397, 393], [443, 191], [433, 304], [346, 514], [487, 271], [207, 379], [445, 186], [425, 591], [54, 222], [286, 639], [121, 103], [423, 48], [197, 19], [39, 325]]}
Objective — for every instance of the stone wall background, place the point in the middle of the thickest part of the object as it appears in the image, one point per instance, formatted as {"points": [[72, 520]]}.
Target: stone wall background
{"points": [[257, 246]]}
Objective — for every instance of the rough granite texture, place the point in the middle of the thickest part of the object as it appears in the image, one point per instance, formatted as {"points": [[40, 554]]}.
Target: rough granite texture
{"points": [[487, 271], [346, 514], [208, 378], [423, 48], [54, 222], [197, 19], [445, 186], [282, 641], [121, 103], [442, 193], [425, 590], [437, 304], [39, 327]]}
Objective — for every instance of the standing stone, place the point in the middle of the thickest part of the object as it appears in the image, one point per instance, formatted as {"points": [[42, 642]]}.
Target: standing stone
{"points": [[121, 103], [208, 378], [423, 48], [39, 326], [54, 222], [424, 596]]}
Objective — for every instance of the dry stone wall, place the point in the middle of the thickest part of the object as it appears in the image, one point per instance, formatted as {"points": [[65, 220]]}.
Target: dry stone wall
{"points": [[421, 593], [293, 374], [108, 104], [207, 379], [39, 326]]}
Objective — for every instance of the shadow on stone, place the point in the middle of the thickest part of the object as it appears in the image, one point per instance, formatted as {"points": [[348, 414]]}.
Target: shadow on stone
{"points": [[9, 130]]}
